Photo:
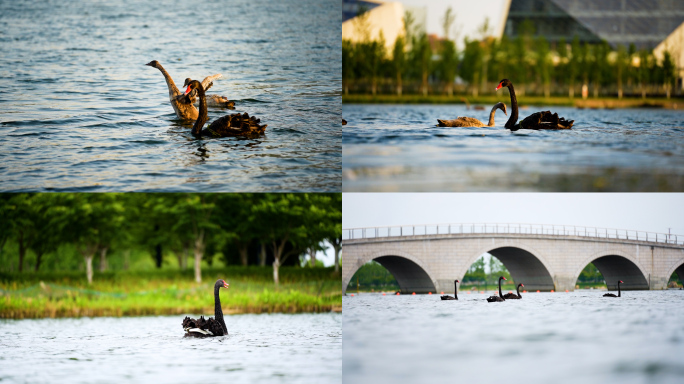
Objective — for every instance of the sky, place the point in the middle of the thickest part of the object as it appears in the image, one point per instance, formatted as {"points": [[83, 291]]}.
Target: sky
{"points": [[651, 212], [470, 14]]}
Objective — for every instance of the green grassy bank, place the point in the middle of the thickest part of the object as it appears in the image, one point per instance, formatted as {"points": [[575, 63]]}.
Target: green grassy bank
{"points": [[167, 292], [610, 103]]}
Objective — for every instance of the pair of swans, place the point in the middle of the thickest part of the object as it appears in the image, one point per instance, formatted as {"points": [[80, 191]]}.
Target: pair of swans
{"points": [[490, 299], [183, 104], [536, 121], [508, 296]]}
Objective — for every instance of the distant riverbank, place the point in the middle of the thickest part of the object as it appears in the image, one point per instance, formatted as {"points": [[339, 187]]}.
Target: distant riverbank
{"points": [[609, 103], [168, 292]]}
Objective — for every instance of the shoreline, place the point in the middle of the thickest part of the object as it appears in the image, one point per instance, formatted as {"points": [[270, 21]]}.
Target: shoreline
{"points": [[600, 103], [50, 313]]}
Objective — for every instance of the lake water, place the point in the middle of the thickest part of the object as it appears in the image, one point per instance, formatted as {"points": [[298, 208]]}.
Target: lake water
{"points": [[391, 148], [275, 348], [577, 337], [80, 111]]}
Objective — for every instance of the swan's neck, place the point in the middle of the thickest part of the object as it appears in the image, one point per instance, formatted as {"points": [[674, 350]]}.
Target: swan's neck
{"points": [[455, 290], [518, 289], [218, 312], [514, 106], [500, 294], [173, 90], [619, 292], [491, 116], [203, 116]]}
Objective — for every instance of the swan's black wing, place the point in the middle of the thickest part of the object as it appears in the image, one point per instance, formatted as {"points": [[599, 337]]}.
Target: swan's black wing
{"points": [[544, 120], [493, 299], [447, 297], [610, 295], [511, 295], [202, 327], [235, 125]]}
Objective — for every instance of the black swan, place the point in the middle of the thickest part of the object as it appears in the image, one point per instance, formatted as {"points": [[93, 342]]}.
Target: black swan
{"points": [[493, 299], [471, 121], [539, 120], [182, 104], [511, 295], [208, 327], [447, 297], [612, 294], [230, 125]]}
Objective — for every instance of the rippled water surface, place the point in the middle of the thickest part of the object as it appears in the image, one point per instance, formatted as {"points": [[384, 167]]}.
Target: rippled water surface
{"points": [[80, 111], [398, 148], [577, 337], [273, 348]]}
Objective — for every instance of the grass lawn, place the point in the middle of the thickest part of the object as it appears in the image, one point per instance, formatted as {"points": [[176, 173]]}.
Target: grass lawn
{"points": [[166, 292]]}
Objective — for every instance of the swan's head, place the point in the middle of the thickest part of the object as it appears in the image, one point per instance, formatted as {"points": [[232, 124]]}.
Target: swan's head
{"points": [[221, 283], [191, 85], [456, 281], [502, 107], [153, 63], [503, 83], [502, 278], [522, 285], [621, 282]]}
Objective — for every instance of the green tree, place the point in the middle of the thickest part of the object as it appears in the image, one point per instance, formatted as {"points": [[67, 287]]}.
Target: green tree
{"points": [[621, 63], [669, 72], [399, 62], [87, 220], [544, 64]]}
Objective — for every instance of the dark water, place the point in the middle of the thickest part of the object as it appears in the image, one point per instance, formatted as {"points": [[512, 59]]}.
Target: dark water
{"points": [[398, 148], [577, 337], [80, 111], [260, 349]]}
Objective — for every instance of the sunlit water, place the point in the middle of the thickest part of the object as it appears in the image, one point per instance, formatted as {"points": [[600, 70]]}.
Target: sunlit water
{"points": [[577, 337], [264, 348], [399, 148], [80, 111]]}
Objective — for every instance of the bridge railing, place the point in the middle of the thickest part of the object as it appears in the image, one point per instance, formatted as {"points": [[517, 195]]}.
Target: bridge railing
{"points": [[509, 228]]}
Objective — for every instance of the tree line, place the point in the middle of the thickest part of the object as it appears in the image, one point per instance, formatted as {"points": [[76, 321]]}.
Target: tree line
{"points": [[240, 228], [424, 65]]}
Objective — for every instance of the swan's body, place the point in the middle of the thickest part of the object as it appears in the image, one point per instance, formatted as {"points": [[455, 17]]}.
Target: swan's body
{"points": [[612, 294], [536, 121], [182, 104], [208, 327], [493, 299], [455, 297], [230, 125], [511, 295], [471, 121]]}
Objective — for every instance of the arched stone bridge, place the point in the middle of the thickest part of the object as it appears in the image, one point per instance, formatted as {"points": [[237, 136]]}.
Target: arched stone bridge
{"points": [[429, 258]]}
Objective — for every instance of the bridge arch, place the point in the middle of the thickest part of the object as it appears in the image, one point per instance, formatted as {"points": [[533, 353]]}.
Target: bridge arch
{"points": [[677, 267], [525, 264], [614, 266], [411, 273]]}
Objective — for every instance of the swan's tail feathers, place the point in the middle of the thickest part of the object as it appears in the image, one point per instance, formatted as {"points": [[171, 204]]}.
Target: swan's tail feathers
{"points": [[441, 123]]}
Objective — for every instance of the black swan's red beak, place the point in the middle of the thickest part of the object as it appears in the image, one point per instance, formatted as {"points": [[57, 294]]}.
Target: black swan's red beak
{"points": [[187, 91], [225, 285], [503, 277], [499, 87]]}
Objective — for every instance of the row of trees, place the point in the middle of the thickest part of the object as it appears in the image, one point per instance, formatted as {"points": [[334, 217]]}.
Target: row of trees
{"points": [[532, 63], [241, 227]]}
